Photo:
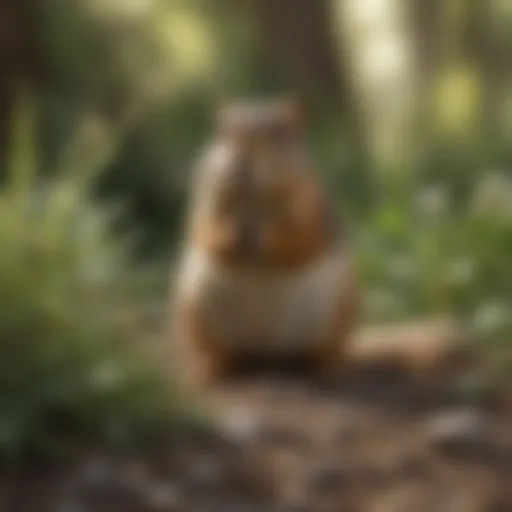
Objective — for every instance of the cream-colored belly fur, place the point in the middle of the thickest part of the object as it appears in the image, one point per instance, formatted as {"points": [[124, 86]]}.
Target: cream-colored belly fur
{"points": [[265, 311]]}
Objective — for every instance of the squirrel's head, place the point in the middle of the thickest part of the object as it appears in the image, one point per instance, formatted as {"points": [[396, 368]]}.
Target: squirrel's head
{"points": [[258, 202]]}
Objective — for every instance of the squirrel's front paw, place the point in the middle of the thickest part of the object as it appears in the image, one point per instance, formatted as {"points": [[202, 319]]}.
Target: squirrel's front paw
{"points": [[328, 361], [207, 368]]}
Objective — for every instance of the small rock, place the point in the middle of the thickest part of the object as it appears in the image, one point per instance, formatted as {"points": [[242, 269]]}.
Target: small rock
{"points": [[95, 472], [374, 475], [326, 479], [112, 497], [205, 471], [346, 428], [406, 466], [134, 476], [71, 506], [299, 507], [246, 507], [405, 498], [458, 432], [241, 425], [162, 497], [283, 436], [410, 467]]}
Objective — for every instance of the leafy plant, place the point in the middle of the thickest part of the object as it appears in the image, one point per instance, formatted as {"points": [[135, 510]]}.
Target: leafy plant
{"points": [[432, 250], [70, 363]]}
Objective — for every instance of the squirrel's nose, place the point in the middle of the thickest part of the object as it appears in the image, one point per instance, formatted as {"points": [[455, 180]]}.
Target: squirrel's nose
{"points": [[247, 241]]}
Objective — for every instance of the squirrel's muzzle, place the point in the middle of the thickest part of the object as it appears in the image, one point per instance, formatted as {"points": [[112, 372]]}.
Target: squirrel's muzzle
{"points": [[247, 245], [246, 236]]}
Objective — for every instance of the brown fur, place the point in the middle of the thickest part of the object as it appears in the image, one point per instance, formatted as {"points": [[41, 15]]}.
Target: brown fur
{"points": [[259, 209], [332, 354], [203, 357], [284, 245]]}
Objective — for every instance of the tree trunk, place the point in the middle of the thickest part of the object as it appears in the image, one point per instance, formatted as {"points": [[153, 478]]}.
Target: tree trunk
{"points": [[481, 46], [427, 38], [297, 46], [21, 64], [295, 42]]}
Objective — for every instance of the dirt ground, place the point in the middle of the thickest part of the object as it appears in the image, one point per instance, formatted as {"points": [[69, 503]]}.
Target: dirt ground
{"points": [[379, 440]]}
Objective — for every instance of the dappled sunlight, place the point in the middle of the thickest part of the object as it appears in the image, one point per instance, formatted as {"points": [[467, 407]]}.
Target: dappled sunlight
{"points": [[458, 100], [121, 9], [405, 108], [376, 35], [507, 116], [187, 39], [492, 196]]}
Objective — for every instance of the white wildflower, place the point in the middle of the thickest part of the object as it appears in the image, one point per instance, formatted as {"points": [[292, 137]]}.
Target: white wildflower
{"points": [[491, 316], [402, 267], [107, 375], [461, 270], [433, 201], [162, 496], [125, 8], [95, 472], [241, 424], [492, 195], [381, 300]]}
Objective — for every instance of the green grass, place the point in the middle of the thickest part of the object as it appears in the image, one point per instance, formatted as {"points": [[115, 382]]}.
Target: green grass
{"points": [[71, 366]]}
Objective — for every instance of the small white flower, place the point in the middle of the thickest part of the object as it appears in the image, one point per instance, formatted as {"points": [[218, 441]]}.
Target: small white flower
{"points": [[206, 470], [241, 424], [71, 506], [402, 267], [492, 195], [370, 11], [491, 316], [381, 300], [127, 8], [162, 496], [96, 472], [433, 201], [97, 271], [107, 375], [461, 270]]}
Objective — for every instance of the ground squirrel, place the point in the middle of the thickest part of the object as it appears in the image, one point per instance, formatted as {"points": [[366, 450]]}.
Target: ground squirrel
{"points": [[264, 266]]}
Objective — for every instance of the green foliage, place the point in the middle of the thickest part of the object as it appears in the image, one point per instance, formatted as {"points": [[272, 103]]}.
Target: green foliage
{"points": [[441, 243], [69, 365], [432, 238]]}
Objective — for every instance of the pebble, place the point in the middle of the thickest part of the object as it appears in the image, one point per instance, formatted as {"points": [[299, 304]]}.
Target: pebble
{"points": [[404, 499], [283, 436], [458, 431], [241, 425], [95, 472], [162, 497], [72, 506], [328, 478], [134, 476], [346, 427], [410, 467], [206, 471]]}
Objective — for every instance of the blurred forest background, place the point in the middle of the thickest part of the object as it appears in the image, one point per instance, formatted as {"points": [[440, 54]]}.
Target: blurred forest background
{"points": [[104, 105]]}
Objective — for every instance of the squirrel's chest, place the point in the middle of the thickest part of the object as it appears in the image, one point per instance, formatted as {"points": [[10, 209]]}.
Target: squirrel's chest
{"points": [[265, 309]]}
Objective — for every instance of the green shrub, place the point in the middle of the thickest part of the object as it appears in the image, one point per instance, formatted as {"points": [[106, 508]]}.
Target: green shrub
{"points": [[69, 363], [429, 249]]}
